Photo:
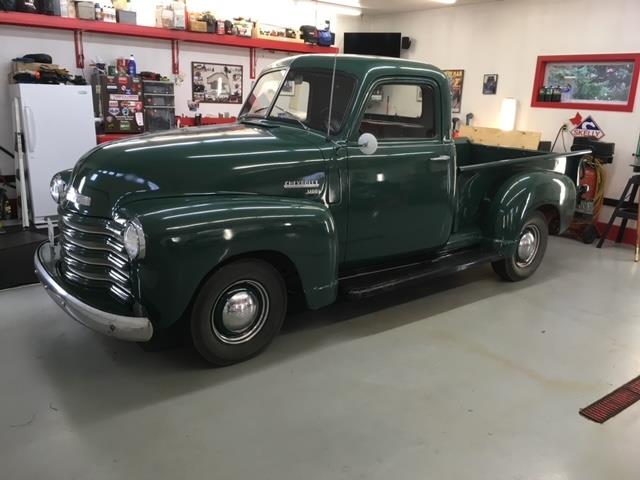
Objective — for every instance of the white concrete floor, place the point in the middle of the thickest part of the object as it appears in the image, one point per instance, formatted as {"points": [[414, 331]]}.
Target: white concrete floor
{"points": [[470, 378]]}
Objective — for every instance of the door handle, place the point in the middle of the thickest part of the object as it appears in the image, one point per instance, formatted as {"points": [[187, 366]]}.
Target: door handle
{"points": [[441, 158], [31, 129]]}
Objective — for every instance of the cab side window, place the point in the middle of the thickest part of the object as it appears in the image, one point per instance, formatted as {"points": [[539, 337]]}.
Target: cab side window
{"points": [[400, 111]]}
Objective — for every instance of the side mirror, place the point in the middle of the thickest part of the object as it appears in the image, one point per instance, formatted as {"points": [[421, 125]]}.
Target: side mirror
{"points": [[368, 143]]}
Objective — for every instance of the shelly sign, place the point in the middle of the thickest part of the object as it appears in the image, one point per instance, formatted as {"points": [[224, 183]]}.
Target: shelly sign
{"points": [[587, 128]]}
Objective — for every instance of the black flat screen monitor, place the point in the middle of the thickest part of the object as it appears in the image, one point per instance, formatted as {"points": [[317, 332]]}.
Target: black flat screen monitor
{"points": [[379, 44]]}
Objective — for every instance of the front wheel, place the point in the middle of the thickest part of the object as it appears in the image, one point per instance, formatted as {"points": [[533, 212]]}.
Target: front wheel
{"points": [[238, 311], [532, 243]]}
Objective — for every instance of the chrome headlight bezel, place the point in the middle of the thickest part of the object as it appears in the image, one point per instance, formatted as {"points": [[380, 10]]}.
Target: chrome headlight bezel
{"points": [[134, 240], [57, 188]]}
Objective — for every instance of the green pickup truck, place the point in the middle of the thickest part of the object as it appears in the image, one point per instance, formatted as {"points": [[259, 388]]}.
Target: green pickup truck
{"points": [[340, 177]]}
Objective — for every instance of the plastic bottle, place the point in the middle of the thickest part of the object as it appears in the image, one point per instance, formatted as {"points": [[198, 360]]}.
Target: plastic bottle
{"points": [[132, 66], [64, 8]]}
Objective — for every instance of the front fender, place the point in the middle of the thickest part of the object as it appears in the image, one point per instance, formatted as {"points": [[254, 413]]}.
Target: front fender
{"points": [[187, 237], [519, 197]]}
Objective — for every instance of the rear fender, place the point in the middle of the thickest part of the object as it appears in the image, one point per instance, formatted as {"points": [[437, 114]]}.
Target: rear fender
{"points": [[519, 197], [187, 238]]}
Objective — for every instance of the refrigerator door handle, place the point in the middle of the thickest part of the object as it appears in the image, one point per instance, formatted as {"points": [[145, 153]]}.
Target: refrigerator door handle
{"points": [[30, 127], [20, 166]]}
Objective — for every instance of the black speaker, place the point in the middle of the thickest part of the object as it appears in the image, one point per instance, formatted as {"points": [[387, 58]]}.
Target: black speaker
{"points": [[7, 4], [406, 43], [47, 7]]}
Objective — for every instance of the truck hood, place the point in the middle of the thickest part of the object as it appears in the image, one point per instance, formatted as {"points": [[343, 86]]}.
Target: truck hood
{"points": [[252, 158]]}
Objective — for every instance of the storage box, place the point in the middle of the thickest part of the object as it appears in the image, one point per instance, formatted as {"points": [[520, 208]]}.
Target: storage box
{"points": [[85, 10], [179, 15], [159, 105], [195, 24], [198, 26], [243, 28], [126, 16], [164, 17], [273, 32]]}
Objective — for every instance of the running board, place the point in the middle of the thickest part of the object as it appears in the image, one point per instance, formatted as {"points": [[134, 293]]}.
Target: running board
{"points": [[370, 283]]}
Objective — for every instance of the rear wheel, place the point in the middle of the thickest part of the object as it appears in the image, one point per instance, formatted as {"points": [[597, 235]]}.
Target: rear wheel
{"points": [[238, 311], [532, 244]]}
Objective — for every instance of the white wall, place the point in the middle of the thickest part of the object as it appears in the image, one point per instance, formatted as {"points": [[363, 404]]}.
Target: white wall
{"points": [[152, 55], [399, 100], [149, 54], [506, 37]]}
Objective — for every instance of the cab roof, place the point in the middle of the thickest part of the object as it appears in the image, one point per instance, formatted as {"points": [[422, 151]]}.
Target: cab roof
{"points": [[358, 65]]}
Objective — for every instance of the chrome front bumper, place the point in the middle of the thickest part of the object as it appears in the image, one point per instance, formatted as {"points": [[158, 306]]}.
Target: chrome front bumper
{"points": [[135, 329]]}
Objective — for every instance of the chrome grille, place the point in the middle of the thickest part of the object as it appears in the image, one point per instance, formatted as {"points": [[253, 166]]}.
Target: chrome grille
{"points": [[93, 254]]}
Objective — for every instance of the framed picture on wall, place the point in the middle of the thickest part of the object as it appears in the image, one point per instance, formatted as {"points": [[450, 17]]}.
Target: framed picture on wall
{"points": [[490, 84], [216, 83], [376, 95], [456, 81], [288, 88]]}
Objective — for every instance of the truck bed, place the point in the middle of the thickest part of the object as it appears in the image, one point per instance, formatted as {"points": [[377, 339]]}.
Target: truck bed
{"points": [[483, 169], [471, 156]]}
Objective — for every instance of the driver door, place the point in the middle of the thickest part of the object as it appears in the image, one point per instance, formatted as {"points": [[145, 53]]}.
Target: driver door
{"points": [[401, 196]]}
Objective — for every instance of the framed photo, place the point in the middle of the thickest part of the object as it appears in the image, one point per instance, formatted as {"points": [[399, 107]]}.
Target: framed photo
{"points": [[456, 81], [376, 95], [216, 83], [288, 89], [490, 84]]}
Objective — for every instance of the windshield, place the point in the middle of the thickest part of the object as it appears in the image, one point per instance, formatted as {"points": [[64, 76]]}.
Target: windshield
{"points": [[303, 97]]}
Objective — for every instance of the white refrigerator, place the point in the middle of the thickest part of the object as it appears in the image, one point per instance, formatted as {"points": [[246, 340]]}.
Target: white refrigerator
{"points": [[57, 126]]}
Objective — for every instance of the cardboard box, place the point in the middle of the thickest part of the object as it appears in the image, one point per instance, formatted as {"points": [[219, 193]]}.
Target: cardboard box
{"points": [[272, 32], [22, 67], [196, 25], [126, 16], [243, 28], [85, 10]]}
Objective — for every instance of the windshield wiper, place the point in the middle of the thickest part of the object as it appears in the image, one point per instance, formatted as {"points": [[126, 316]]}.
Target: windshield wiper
{"points": [[261, 109], [291, 116]]}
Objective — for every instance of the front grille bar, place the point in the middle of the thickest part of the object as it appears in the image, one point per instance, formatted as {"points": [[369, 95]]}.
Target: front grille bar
{"points": [[93, 255], [91, 245]]}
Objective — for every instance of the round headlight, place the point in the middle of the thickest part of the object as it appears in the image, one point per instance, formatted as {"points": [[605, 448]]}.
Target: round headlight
{"points": [[57, 188], [133, 238]]}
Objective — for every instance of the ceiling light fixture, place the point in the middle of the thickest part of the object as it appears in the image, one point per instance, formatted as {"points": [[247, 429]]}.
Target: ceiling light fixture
{"points": [[342, 7], [446, 2], [343, 3]]}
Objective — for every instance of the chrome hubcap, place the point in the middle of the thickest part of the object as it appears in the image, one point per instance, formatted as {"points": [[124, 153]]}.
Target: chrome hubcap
{"points": [[528, 246], [240, 312]]}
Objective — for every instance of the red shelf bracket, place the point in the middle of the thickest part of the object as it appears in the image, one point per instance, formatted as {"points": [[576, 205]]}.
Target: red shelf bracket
{"points": [[79, 46], [175, 57], [253, 62]]}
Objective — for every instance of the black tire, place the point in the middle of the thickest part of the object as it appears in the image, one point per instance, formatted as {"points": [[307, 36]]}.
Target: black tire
{"points": [[516, 268], [590, 235], [243, 284]]}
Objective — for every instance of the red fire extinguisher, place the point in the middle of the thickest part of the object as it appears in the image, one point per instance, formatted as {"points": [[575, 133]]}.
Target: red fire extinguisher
{"points": [[589, 180]]}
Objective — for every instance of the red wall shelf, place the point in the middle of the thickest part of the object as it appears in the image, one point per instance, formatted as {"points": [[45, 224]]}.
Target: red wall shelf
{"points": [[78, 27], [74, 24]]}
